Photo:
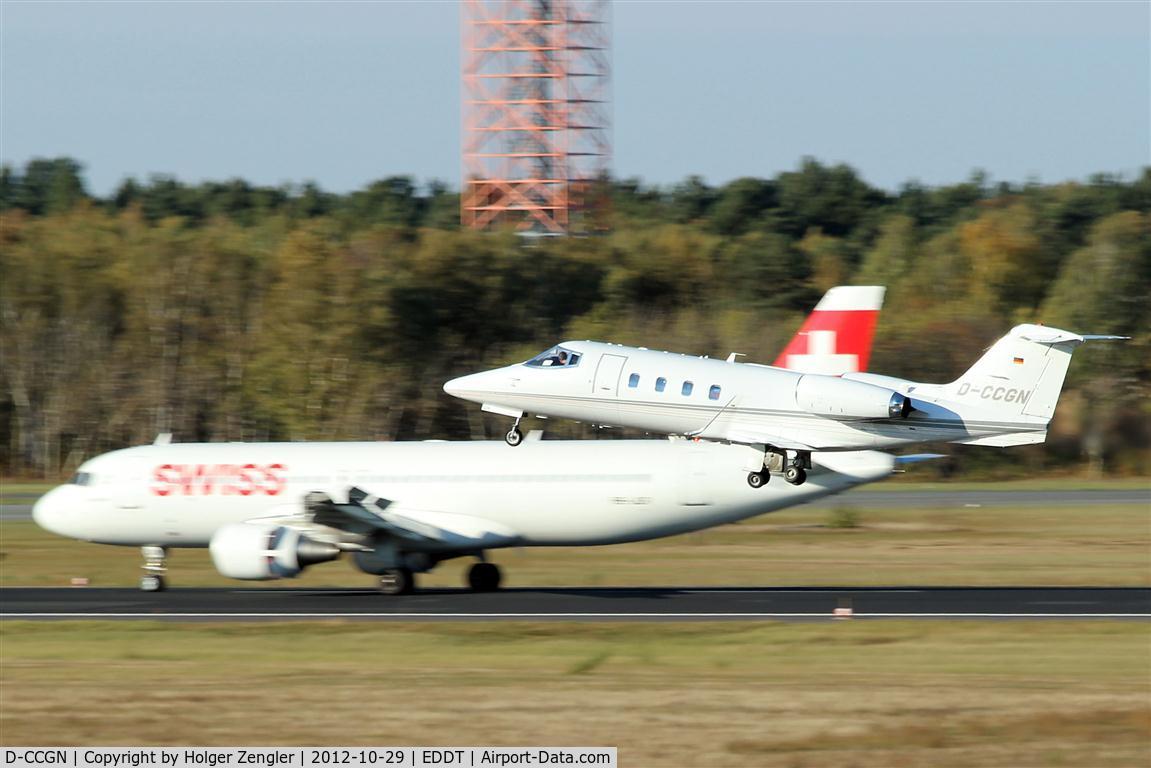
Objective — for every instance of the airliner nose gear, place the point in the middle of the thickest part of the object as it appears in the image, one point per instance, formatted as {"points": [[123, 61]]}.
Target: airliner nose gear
{"points": [[154, 569]]}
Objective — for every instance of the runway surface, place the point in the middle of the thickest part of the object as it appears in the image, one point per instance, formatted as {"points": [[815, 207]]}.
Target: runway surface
{"points": [[582, 604], [18, 507]]}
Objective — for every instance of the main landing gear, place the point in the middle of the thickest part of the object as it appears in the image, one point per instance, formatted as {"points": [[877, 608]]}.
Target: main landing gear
{"points": [[397, 581], [154, 569], [482, 577], [794, 469]]}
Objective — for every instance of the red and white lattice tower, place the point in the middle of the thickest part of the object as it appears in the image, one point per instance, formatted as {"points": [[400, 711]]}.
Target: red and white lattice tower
{"points": [[536, 139]]}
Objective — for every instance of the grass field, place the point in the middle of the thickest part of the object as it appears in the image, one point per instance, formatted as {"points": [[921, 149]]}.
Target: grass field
{"points": [[732, 694], [844, 694], [1030, 545]]}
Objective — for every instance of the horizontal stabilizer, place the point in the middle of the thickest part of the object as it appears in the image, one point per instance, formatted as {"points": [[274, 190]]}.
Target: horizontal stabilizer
{"points": [[1005, 441]]}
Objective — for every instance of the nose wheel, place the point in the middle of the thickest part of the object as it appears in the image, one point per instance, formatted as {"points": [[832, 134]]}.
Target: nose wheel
{"points": [[514, 436], [155, 559]]}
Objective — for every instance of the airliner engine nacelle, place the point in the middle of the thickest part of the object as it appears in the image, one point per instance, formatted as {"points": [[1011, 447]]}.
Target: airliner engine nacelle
{"points": [[262, 552], [833, 396]]}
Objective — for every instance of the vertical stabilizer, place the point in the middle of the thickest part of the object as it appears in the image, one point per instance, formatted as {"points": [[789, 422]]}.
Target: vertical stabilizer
{"points": [[836, 337], [1021, 375]]}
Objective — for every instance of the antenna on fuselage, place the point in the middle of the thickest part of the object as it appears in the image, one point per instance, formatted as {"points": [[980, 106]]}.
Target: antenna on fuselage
{"points": [[164, 438], [733, 355]]}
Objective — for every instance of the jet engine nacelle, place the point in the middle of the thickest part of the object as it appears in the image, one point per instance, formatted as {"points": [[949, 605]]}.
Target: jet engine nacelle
{"points": [[262, 552], [833, 396]]}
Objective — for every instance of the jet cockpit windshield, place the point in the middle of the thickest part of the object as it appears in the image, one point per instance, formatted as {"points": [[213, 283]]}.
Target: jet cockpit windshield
{"points": [[82, 478], [556, 357]]}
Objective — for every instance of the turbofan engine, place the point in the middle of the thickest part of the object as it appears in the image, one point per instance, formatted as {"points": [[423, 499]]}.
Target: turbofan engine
{"points": [[833, 396], [261, 552]]}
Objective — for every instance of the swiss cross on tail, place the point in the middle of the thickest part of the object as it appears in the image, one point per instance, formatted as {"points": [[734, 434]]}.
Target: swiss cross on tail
{"points": [[836, 337]]}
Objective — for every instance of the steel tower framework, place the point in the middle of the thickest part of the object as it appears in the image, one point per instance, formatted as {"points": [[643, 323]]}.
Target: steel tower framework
{"points": [[535, 119]]}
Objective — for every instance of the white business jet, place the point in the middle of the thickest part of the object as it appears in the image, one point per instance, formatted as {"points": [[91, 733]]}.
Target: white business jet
{"points": [[1007, 398], [269, 510]]}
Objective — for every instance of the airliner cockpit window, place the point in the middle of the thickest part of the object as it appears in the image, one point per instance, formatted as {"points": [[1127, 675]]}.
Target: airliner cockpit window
{"points": [[82, 478], [556, 357]]}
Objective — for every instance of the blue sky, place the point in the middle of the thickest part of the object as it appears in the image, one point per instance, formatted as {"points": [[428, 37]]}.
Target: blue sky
{"points": [[346, 92]]}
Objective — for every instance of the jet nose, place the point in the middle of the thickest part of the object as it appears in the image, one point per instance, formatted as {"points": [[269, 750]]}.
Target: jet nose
{"points": [[464, 386]]}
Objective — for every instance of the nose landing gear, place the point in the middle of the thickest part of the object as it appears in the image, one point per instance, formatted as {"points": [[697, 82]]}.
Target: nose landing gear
{"points": [[154, 569]]}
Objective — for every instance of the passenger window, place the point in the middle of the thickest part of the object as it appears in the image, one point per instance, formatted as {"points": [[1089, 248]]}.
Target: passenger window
{"points": [[660, 384], [713, 393], [687, 387], [633, 380]]}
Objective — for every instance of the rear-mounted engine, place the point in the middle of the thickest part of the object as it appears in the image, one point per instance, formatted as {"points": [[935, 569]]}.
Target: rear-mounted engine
{"points": [[833, 396]]}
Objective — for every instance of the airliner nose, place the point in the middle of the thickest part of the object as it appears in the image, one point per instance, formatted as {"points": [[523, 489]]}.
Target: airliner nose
{"points": [[49, 511]]}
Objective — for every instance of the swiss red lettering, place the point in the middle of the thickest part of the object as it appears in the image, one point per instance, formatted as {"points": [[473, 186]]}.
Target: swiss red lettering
{"points": [[222, 479]]}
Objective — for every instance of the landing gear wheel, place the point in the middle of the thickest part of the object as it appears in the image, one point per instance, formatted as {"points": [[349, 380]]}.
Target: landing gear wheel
{"points": [[484, 577], [794, 475], [397, 581], [758, 479], [514, 437], [152, 583]]}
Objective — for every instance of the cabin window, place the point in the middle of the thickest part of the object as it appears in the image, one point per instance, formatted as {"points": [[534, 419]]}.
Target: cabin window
{"points": [[713, 393], [556, 357], [687, 387], [660, 384], [633, 380]]}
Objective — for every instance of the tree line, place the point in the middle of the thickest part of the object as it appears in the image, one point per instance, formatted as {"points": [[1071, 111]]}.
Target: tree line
{"points": [[230, 311]]}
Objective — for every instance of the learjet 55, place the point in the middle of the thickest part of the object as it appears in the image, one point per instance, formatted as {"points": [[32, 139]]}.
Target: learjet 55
{"points": [[1006, 398]]}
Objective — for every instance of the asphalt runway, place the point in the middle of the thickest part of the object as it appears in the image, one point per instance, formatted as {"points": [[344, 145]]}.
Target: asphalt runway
{"points": [[583, 604], [18, 507]]}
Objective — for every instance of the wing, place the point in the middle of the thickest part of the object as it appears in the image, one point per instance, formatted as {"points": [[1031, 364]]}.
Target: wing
{"points": [[747, 434], [366, 513]]}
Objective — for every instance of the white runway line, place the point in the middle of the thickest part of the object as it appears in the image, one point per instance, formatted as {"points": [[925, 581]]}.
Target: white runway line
{"points": [[386, 615]]}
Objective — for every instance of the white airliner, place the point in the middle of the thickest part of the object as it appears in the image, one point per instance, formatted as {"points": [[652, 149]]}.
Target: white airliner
{"points": [[268, 510], [1006, 398]]}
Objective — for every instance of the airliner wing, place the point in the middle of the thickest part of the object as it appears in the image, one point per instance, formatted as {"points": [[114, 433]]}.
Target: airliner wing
{"points": [[367, 513]]}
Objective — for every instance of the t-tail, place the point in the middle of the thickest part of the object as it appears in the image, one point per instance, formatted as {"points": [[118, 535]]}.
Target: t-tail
{"points": [[836, 337], [1018, 381]]}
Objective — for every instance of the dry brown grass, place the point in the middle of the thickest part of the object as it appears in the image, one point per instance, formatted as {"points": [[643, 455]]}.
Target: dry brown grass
{"points": [[846, 694], [1104, 545]]}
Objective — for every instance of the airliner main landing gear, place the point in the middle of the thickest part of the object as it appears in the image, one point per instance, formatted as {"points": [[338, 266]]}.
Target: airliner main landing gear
{"points": [[154, 569], [397, 581], [484, 577]]}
